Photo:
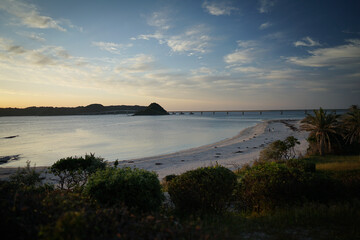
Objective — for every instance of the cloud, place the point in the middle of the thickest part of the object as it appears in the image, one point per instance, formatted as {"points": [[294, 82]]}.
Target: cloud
{"points": [[247, 44], [265, 5], [139, 63], [218, 8], [265, 25], [16, 49], [111, 47], [248, 69], [242, 55], [160, 20], [71, 25], [33, 36], [307, 42], [28, 15], [194, 40], [276, 36], [239, 57], [343, 56], [157, 35], [46, 55]]}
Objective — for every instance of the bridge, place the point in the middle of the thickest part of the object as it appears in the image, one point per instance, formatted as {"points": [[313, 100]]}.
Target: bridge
{"points": [[247, 111]]}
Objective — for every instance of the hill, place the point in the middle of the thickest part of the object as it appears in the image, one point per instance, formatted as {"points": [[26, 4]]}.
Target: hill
{"points": [[92, 109], [152, 109]]}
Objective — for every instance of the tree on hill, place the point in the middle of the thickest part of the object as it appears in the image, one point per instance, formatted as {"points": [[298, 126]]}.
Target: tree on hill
{"points": [[324, 129]]}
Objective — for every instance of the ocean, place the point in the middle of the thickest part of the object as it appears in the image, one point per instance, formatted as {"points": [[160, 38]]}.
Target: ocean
{"points": [[44, 140]]}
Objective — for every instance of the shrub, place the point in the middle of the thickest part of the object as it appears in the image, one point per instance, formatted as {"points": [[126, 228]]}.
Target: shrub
{"points": [[203, 190], [73, 172], [301, 165], [166, 180], [280, 150], [118, 223], [26, 176], [21, 209], [268, 185], [136, 188]]}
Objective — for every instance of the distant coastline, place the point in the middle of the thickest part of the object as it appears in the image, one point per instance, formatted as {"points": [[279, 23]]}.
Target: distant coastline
{"points": [[92, 109]]}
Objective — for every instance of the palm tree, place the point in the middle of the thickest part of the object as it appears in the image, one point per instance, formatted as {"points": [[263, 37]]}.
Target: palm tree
{"points": [[351, 124], [323, 127]]}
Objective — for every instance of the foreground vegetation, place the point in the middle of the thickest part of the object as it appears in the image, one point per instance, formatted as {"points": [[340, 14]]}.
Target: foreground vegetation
{"points": [[278, 197]]}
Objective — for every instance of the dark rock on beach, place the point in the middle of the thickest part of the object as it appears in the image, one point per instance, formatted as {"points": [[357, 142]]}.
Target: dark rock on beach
{"points": [[9, 137], [152, 109], [5, 159]]}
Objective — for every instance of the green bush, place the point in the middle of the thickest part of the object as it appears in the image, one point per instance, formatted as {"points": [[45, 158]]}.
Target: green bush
{"points": [[118, 223], [26, 176], [268, 185], [166, 180], [203, 190], [280, 150], [136, 188], [73, 172], [21, 209], [301, 165]]}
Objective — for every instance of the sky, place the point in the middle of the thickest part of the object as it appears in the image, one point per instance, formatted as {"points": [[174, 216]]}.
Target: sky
{"points": [[182, 54]]}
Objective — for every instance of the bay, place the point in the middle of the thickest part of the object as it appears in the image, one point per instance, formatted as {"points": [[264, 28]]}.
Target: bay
{"points": [[44, 140]]}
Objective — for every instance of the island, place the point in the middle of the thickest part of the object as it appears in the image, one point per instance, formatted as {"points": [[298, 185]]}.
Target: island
{"points": [[152, 109], [92, 109]]}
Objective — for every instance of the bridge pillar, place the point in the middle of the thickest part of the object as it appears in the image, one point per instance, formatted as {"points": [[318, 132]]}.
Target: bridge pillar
{"points": [[213, 113], [260, 113], [227, 113], [201, 113], [281, 112], [242, 113]]}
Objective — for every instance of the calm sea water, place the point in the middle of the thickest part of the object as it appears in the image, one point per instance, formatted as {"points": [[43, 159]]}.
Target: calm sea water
{"points": [[44, 140]]}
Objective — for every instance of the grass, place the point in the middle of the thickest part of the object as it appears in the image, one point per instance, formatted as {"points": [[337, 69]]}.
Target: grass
{"points": [[333, 163], [338, 220], [333, 158], [338, 166]]}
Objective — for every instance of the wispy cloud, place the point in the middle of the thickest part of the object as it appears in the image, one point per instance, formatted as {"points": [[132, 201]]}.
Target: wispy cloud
{"points": [[239, 57], [46, 55], [111, 47], [306, 42], [265, 5], [28, 15], [218, 8], [244, 54], [265, 25], [343, 56], [160, 20], [157, 35], [33, 36], [139, 63], [193, 41]]}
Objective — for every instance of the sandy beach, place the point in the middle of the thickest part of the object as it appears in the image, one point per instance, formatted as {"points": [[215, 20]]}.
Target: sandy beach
{"points": [[232, 152]]}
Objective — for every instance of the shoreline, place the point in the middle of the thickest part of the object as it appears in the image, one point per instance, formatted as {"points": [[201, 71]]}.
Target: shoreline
{"points": [[232, 152]]}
